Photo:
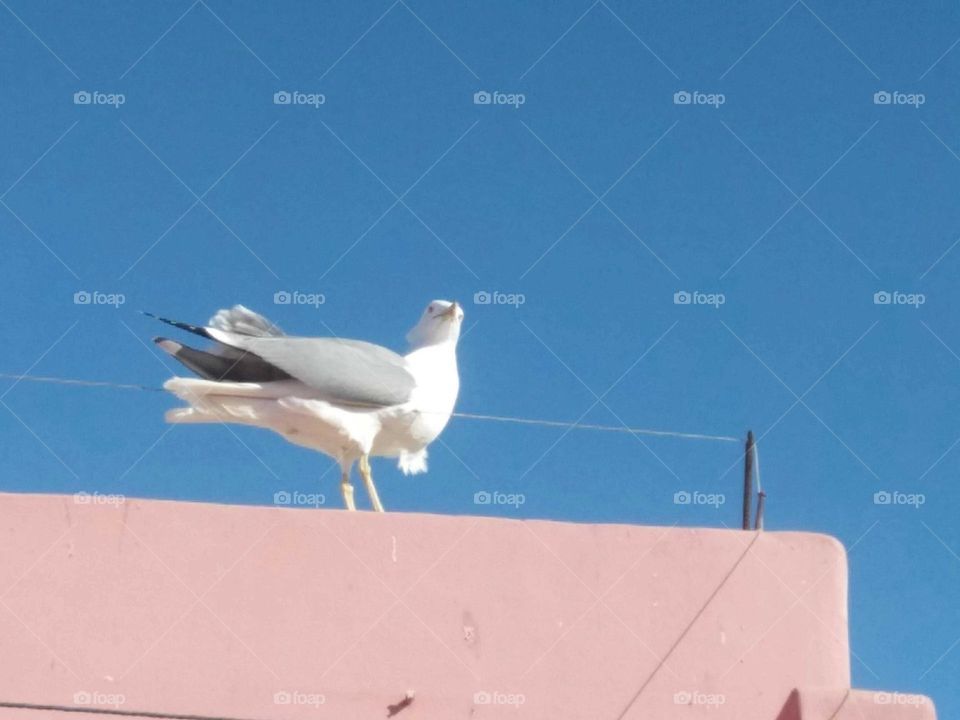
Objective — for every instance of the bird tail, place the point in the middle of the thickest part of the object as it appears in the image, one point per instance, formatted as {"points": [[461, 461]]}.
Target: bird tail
{"points": [[196, 390], [212, 401]]}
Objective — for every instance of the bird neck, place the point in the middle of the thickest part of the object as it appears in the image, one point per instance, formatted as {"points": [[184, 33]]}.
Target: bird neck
{"points": [[432, 351]]}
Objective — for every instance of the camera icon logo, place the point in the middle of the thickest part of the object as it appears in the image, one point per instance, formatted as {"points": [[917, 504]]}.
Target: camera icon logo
{"points": [[82, 697], [282, 297], [482, 697], [81, 297], [281, 497], [882, 498], [682, 297], [682, 97], [482, 97], [482, 298], [681, 497], [282, 697], [882, 298], [282, 97], [482, 498], [82, 97], [882, 97]]}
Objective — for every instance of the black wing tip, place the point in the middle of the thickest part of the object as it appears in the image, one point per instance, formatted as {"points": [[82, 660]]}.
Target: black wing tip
{"points": [[195, 329]]}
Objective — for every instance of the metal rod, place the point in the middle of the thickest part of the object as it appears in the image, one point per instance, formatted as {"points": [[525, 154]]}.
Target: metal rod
{"points": [[758, 524], [747, 479]]}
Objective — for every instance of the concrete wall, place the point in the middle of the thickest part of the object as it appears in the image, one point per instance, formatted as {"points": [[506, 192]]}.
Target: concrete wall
{"points": [[251, 612]]}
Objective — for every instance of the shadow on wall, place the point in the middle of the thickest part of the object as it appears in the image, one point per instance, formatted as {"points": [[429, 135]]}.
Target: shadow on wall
{"points": [[791, 710]]}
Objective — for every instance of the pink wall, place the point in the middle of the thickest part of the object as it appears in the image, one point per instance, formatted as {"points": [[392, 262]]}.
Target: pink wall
{"points": [[255, 612]]}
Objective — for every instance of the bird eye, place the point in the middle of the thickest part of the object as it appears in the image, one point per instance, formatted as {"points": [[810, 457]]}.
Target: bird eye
{"points": [[430, 309]]}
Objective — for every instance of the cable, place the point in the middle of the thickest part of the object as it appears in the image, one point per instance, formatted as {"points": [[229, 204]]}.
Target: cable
{"points": [[84, 383], [88, 710], [591, 426], [464, 415]]}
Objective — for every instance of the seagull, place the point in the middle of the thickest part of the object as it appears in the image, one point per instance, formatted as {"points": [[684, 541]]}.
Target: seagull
{"points": [[347, 399]]}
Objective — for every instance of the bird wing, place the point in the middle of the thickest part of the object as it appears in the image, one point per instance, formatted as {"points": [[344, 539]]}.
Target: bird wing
{"points": [[250, 348], [243, 320], [352, 372]]}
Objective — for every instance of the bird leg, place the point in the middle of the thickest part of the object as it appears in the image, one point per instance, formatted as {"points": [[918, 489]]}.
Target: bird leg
{"points": [[368, 481], [347, 489]]}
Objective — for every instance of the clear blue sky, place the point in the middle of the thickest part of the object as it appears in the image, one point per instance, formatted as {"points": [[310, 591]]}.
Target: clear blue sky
{"points": [[798, 198]]}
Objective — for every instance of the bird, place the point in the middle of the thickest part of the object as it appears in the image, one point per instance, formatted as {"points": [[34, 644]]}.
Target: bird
{"points": [[348, 399]]}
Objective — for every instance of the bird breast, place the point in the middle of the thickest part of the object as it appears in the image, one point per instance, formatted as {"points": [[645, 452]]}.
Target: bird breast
{"points": [[434, 369]]}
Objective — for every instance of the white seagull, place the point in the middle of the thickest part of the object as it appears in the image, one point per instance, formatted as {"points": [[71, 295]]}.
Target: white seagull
{"points": [[348, 399]]}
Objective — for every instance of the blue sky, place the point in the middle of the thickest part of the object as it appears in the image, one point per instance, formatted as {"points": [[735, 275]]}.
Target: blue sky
{"points": [[786, 188]]}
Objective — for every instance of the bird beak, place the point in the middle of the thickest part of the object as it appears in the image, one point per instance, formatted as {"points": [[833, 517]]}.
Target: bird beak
{"points": [[450, 312]]}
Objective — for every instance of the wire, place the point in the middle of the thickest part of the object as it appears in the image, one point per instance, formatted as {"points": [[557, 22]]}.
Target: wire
{"points": [[466, 416], [84, 383], [87, 710], [591, 426]]}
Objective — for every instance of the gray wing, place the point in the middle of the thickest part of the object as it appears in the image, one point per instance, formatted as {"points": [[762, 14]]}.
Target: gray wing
{"points": [[347, 371], [243, 320]]}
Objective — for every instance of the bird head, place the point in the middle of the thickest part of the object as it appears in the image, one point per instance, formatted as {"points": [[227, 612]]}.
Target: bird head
{"points": [[439, 324]]}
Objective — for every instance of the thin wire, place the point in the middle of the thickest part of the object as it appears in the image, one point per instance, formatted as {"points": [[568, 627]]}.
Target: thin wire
{"points": [[84, 383], [591, 426], [86, 710], [467, 416]]}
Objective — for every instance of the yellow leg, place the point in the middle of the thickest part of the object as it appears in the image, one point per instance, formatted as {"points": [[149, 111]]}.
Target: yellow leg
{"points": [[368, 481], [347, 489]]}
